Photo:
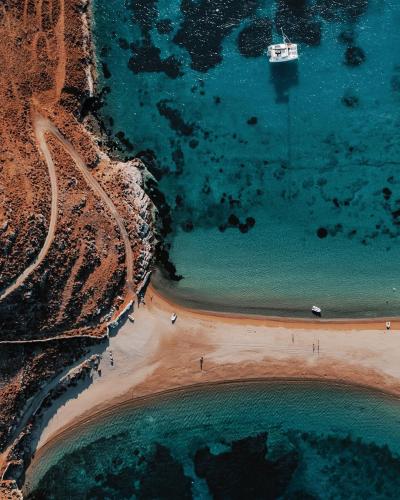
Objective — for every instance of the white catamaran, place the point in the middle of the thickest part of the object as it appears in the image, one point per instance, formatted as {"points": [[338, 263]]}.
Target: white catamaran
{"points": [[283, 52]]}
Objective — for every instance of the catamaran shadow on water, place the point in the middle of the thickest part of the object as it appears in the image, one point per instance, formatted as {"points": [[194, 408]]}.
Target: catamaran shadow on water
{"points": [[283, 78], [283, 59]]}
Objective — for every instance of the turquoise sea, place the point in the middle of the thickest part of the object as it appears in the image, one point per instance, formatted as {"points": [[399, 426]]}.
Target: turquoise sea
{"points": [[287, 440], [282, 180]]}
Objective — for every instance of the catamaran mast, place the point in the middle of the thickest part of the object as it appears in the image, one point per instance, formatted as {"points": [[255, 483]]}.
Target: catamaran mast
{"points": [[285, 38]]}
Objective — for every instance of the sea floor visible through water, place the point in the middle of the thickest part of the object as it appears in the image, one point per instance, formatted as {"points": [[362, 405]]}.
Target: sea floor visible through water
{"points": [[282, 180], [286, 440]]}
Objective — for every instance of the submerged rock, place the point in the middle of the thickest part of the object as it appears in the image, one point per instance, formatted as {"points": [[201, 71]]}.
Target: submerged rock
{"points": [[188, 226], [387, 193], [106, 71], [255, 38], [250, 221], [149, 158], [164, 26], [179, 159], [354, 56], [347, 37], [252, 121], [298, 21], [395, 80], [205, 25], [179, 200], [174, 118], [124, 140], [162, 255], [233, 220], [341, 9], [146, 58], [244, 471], [124, 44], [350, 101], [145, 14]]}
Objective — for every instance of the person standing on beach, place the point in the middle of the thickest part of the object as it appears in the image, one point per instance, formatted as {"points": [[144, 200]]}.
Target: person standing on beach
{"points": [[201, 363]]}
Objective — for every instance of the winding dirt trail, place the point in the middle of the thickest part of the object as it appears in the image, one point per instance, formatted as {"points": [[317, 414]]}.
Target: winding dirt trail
{"points": [[41, 126], [39, 132], [51, 339]]}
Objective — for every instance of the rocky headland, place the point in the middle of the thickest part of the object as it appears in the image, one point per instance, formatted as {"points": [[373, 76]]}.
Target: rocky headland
{"points": [[77, 231]]}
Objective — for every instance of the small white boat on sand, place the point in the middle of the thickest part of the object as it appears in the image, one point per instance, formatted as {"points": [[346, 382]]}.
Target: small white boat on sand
{"points": [[173, 318], [283, 52], [131, 318], [317, 311]]}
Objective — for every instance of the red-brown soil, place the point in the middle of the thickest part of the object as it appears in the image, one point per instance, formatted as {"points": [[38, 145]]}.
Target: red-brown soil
{"points": [[62, 271]]}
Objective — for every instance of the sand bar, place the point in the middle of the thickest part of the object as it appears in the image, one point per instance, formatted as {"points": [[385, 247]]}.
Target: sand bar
{"points": [[153, 355]]}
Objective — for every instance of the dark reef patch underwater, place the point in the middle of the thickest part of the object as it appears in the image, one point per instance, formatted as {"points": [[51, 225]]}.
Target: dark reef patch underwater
{"points": [[306, 151], [236, 441]]}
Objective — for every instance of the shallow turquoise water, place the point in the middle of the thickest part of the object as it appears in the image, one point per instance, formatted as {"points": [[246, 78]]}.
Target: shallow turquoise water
{"points": [[300, 149], [329, 441]]}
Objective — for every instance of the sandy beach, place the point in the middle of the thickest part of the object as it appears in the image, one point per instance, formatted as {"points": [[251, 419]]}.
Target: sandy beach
{"points": [[151, 355]]}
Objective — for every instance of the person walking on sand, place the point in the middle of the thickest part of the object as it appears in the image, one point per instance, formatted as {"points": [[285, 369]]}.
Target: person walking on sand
{"points": [[313, 348], [201, 363]]}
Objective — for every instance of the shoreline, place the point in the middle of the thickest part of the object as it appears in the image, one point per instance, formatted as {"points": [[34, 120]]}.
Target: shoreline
{"points": [[165, 287], [140, 401], [312, 322]]}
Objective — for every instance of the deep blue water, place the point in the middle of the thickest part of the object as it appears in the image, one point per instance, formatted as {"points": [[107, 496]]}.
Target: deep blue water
{"points": [[282, 181], [255, 440]]}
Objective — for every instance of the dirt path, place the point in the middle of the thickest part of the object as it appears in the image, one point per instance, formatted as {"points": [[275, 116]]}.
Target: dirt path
{"points": [[45, 125], [42, 126], [39, 132], [51, 339]]}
